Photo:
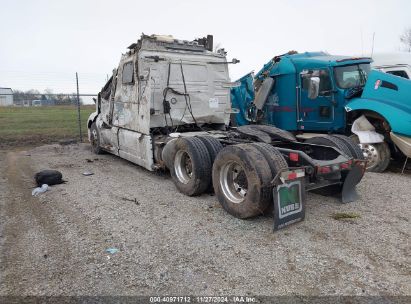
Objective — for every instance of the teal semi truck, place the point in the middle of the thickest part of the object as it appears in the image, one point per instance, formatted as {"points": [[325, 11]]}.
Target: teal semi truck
{"points": [[313, 94]]}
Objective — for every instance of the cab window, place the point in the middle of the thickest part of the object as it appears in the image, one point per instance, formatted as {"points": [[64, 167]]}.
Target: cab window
{"points": [[325, 81], [351, 76], [128, 73]]}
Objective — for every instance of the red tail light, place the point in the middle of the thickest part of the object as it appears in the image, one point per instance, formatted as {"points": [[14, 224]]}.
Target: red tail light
{"points": [[345, 165], [293, 156], [292, 176], [324, 170]]}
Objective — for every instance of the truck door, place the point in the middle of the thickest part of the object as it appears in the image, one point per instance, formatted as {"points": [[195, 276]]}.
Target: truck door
{"points": [[125, 101], [316, 107]]}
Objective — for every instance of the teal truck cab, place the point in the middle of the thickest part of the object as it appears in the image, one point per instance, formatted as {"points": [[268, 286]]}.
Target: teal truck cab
{"points": [[312, 94]]}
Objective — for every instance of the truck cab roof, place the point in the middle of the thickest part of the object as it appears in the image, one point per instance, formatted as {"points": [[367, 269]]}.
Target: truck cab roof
{"points": [[291, 62]]}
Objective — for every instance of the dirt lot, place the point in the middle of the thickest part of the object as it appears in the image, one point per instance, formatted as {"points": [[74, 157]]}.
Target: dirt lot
{"points": [[168, 243]]}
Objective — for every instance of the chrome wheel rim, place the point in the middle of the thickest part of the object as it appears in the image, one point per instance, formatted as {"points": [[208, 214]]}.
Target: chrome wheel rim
{"points": [[371, 154], [233, 182], [183, 166]]}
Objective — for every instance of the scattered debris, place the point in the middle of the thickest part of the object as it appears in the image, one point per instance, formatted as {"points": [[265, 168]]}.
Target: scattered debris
{"points": [[131, 200], [345, 216], [40, 190], [49, 177], [112, 250], [88, 173]]}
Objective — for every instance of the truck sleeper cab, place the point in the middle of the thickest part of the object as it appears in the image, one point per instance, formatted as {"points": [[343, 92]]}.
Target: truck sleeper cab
{"points": [[168, 105]]}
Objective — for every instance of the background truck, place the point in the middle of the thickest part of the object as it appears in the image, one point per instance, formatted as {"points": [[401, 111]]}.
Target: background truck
{"points": [[316, 93], [167, 105], [396, 63]]}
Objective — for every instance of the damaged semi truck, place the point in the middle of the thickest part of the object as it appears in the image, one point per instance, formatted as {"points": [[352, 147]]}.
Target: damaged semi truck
{"points": [[316, 94], [167, 105]]}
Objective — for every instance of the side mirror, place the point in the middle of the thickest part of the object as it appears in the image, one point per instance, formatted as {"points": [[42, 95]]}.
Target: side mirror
{"points": [[314, 87]]}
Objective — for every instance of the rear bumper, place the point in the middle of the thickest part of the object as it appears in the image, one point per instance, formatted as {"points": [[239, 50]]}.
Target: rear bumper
{"points": [[402, 142]]}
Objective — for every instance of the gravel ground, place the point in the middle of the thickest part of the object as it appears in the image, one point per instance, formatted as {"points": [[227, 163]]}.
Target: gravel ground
{"points": [[168, 243]]}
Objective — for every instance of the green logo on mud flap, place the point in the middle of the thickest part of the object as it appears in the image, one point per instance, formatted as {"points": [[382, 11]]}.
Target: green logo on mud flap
{"points": [[289, 199]]}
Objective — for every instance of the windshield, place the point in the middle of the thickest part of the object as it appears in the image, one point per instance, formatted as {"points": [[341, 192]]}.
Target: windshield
{"points": [[351, 76]]}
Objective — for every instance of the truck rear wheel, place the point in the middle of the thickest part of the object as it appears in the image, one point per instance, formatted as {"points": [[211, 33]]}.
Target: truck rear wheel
{"points": [[352, 146], [95, 139], [213, 146], [191, 169], [241, 180], [332, 141], [378, 155], [338, 143], [276, 161]]}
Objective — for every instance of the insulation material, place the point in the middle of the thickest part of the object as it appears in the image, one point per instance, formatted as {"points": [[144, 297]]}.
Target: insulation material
{"points": [[366, 131]]}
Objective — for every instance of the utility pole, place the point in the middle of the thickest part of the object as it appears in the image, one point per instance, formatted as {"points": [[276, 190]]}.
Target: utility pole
{"points": [[78, 110]]}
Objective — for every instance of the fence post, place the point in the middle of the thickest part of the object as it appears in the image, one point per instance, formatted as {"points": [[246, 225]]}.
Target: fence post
{"points": [[78, 110]]}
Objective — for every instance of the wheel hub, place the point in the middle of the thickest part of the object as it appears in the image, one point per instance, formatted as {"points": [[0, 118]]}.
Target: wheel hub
{"points": [[233, 181], [183, 167], [371, 154]]}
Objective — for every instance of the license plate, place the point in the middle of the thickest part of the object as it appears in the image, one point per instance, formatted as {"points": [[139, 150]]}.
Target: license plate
{"points": [[289, 203]]}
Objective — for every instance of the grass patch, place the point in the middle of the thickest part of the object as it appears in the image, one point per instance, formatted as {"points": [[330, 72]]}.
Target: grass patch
{"points": [[340, 216], [21, 126]]}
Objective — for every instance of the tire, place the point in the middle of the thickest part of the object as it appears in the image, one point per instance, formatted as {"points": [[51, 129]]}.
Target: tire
{"points": [[278, 134], [241, 180], [276, 161], [354, 148], [378, 155], [191, 169], [95, 139], [331, 141], [49, 177], [213, 146]]}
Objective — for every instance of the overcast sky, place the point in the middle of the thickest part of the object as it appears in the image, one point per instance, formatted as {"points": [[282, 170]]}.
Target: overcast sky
{"points": [[43, 43]]}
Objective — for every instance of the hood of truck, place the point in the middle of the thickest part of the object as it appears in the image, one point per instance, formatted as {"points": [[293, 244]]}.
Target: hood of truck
{"points": [[390, 97]]}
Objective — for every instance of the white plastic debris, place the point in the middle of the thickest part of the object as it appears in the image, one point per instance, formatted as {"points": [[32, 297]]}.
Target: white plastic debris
{"points": [[366, 131], [40, 190]]}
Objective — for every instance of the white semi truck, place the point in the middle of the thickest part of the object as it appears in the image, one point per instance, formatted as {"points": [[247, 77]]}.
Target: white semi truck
{"points": [[167, 106], [396, 63]]}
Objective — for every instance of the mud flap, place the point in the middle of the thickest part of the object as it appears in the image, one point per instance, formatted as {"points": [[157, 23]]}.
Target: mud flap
{"points": [[349, 193], [289, 198]]}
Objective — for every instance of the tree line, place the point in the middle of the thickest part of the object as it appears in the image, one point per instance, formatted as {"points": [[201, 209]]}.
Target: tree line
{"points": [[47, 96]]}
